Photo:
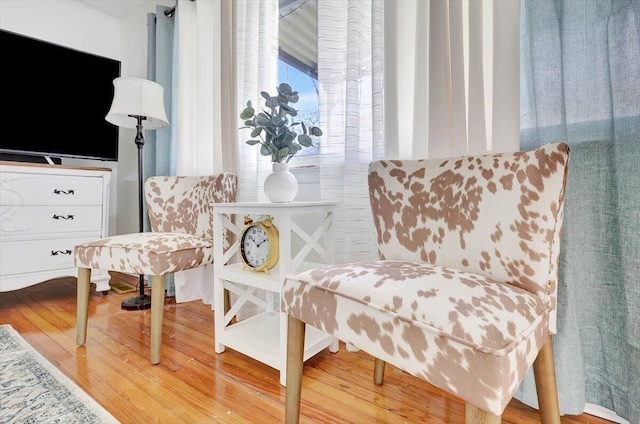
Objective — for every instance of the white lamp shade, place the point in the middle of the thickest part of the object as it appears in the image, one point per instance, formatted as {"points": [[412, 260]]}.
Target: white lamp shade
{"points": [[137, 97]]}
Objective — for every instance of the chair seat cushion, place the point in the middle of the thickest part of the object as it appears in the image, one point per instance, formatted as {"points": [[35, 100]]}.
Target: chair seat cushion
{"points": [[426, 319], [145, 253]]}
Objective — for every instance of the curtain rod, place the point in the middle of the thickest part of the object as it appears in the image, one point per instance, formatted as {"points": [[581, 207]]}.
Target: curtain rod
{"points": [[169, 13]]}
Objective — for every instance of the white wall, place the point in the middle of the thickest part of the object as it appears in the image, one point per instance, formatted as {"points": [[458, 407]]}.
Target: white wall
{"points": [[74, 24], [67, 22]]}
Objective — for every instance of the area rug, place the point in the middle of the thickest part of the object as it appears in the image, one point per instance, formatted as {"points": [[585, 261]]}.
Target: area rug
{"points": [[32, 390]]}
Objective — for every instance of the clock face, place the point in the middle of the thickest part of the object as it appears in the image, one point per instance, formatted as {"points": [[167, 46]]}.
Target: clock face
{"points": [[255, 246]]}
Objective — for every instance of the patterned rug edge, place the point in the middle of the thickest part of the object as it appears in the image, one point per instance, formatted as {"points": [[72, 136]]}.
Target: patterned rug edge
{"points": [[102, 415]]}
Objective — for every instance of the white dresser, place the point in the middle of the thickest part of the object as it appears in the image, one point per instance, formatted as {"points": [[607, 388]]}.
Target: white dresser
{"points": [[45, 211]]}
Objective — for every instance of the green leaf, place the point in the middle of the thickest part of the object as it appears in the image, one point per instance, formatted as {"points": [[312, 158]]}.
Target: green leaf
{"points": [[247, 113], [265, 95], [249, 104], [304, 128], [283, 152], [262, 120], [316, 131], [249, 123], [253, 142], [291, 111], [294, 98], [285, 88], [272, 102], [264, 150], [256, 132], [305, 140]]}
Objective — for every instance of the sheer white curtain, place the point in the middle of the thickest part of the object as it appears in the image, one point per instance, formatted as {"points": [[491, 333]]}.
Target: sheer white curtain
{"points": [[206, 136], [451, 77], [451, 87], [350, 58], [203, 60], [257, 70]]}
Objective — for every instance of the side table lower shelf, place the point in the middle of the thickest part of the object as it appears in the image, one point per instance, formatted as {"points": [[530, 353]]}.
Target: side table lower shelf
{"points": [[264, 338]]}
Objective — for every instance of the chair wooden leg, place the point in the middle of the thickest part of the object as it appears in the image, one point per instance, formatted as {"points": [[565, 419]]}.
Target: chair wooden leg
{"points": [[544, 372], [82, 310], [378, 371], [157, 310], [295, 363], [475, 415]]}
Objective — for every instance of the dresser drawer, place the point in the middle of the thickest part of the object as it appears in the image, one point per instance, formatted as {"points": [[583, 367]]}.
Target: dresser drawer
{"points": [[38, 255], [34, 189], [28, 220]]}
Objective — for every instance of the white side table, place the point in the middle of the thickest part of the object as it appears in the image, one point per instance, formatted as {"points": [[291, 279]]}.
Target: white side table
{"points": [[302, 246]]}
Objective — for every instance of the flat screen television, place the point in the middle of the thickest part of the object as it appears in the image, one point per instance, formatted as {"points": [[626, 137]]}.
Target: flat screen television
{"points": [[54, 100]]}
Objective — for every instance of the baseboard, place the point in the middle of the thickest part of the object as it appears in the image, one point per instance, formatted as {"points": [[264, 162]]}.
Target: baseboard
{"points": [[602, 412]]}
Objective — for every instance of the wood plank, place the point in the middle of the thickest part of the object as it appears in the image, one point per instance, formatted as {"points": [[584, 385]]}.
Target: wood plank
{"points": [[194, 384], [179, 363]]}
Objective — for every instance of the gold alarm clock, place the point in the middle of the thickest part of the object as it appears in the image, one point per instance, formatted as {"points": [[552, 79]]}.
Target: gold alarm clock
{"points": [[259, 244]]}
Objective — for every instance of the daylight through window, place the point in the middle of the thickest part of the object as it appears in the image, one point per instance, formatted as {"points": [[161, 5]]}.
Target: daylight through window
{"points": [[298, 61]]}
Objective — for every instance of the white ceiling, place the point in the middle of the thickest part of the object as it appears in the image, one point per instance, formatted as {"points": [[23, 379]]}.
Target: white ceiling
{"points": [[117, 8]]}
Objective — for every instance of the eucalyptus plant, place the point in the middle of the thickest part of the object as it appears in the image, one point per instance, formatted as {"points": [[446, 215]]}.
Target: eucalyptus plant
{"points": [[273, 127]]}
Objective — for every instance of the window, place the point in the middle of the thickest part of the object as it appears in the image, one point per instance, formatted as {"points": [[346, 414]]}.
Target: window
{"points": [[298, 58], [307, 88]]}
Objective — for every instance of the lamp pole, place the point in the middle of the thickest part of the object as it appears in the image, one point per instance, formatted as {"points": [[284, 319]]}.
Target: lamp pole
{"points": [[142, 301], [140, 144]]}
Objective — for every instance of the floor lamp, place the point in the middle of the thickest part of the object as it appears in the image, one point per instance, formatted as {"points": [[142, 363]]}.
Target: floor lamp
{"points": [[137, 101]]}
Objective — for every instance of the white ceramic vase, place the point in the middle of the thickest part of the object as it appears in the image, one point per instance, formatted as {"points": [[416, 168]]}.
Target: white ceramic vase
{"points": [[281, 185]]}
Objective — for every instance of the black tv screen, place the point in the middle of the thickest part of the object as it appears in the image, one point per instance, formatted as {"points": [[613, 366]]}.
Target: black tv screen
{"points": [[55, 99]]}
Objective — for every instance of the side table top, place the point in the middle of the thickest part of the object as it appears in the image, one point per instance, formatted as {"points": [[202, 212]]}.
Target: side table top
{"points": [[261, 206]]}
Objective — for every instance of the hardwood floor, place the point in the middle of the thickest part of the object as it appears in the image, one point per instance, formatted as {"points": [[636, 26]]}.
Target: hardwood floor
{"points": [[193, 384]]}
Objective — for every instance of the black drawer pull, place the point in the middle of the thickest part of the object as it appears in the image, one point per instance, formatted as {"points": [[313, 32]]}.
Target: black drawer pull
{"points": [[56, 191], [61, 252], [62, 217]]}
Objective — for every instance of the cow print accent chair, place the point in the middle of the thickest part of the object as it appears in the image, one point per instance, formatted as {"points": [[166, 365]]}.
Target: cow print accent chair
{"points": [[180, 214], [464, 294]]}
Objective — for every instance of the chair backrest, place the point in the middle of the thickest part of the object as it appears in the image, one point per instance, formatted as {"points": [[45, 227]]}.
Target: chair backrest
{"points": [[182, 204], [497, 215]]}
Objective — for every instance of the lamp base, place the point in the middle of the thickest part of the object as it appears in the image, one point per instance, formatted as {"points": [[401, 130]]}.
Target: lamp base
{"points": [[137, 303]]}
